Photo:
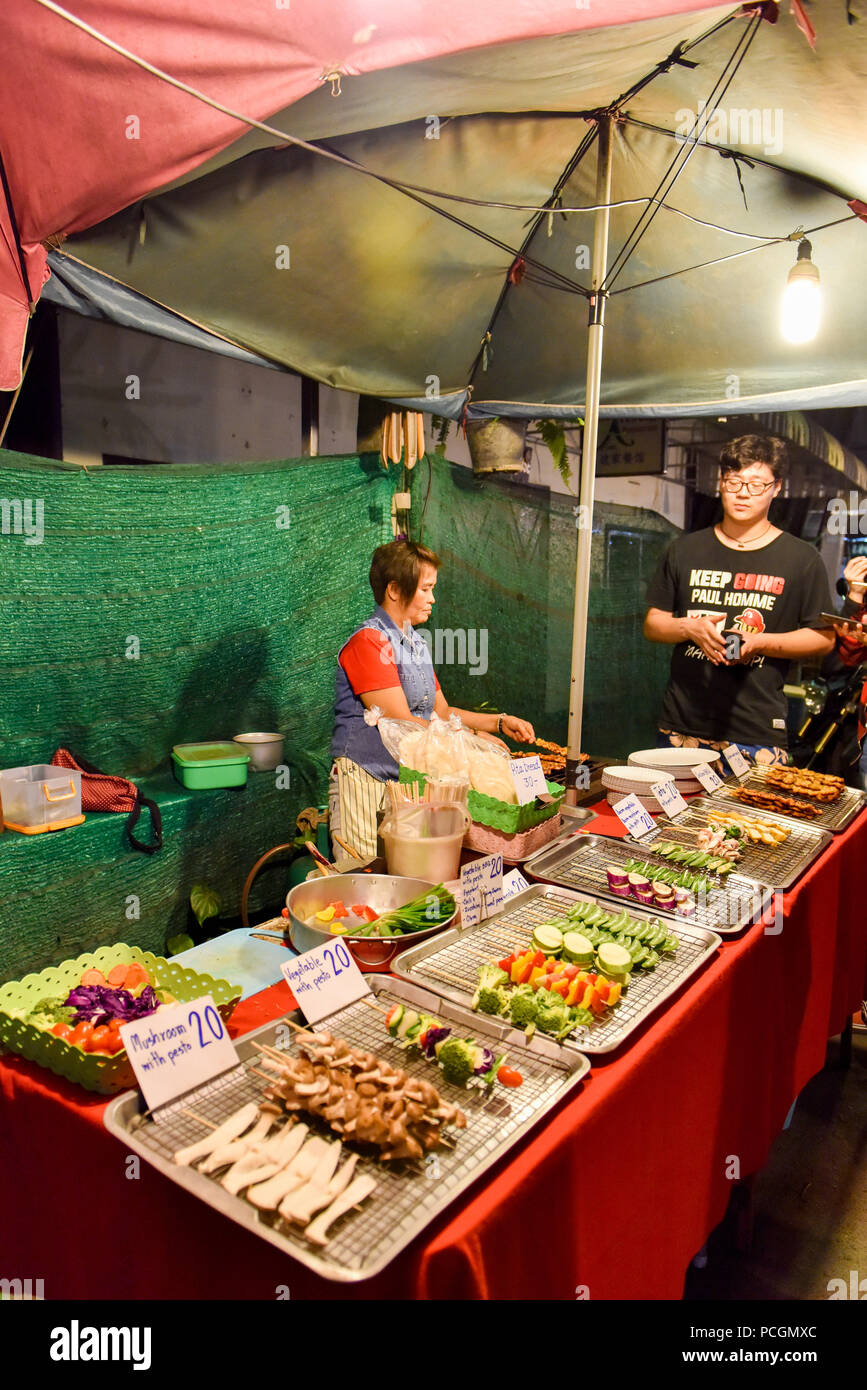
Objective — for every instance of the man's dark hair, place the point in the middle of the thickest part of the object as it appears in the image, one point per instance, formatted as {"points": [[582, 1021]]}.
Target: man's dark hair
{"points": [[399, 563], [754, 448]]}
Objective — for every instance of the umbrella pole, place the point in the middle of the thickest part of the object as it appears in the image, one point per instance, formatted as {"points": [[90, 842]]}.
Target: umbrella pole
{"points": [[588, 455]]}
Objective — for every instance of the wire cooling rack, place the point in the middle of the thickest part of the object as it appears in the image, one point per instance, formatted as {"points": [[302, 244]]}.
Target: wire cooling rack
{"points": [[451, 962], [408, 1195]]}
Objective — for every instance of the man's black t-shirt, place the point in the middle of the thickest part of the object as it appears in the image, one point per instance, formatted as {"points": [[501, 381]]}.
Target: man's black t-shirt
{"points": [[777, 588]]}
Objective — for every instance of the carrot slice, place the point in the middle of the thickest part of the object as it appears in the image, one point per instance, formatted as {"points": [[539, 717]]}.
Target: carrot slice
{"points": [[93, 977], [136, 975]]}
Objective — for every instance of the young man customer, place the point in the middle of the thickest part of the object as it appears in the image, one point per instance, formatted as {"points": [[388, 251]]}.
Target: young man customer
{"points": [[743, 576]]}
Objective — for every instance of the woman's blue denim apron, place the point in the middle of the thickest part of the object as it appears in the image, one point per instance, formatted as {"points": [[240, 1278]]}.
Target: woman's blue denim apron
{"points": [[361, 742]]}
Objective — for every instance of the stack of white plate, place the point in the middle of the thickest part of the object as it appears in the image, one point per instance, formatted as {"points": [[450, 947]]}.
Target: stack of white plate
{"points": [[679, 762], [620, 781]]}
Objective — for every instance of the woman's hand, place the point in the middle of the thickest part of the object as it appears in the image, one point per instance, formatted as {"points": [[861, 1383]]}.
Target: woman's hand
{"points": [[517, 729]]}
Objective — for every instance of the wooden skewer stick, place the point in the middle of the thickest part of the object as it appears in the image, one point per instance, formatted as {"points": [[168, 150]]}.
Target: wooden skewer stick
{"points": [[264, 1075], [370, 1004], [201, 1119], [343, 845]]}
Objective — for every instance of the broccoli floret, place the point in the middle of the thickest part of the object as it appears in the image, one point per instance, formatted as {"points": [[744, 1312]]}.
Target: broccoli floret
{"points": [[491, 1001], [457, 1061], [490, 977], [523, 1009], [552, 1019]]}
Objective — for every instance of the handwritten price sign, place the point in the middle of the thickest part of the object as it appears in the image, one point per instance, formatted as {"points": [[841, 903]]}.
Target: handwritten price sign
{"points": [[324, 980], [177, 1048], [481, 889], [638, 821]]}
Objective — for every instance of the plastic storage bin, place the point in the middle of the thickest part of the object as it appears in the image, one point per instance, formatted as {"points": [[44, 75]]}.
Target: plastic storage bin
{"points": [[201, 766], [40, 797]]}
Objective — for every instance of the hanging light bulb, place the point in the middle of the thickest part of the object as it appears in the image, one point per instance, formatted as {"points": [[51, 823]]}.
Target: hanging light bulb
{"points": [[802, 299]]}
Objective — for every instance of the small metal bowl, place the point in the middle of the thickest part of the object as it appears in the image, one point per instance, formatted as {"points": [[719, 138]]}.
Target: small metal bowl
{"points": [[381, 892]]}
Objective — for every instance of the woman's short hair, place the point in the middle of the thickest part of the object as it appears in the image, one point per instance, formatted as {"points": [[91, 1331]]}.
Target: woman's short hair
{"points": [[399, 563], [754, 448]]}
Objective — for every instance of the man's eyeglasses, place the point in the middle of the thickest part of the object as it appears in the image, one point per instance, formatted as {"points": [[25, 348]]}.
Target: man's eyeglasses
{"points": [[754, 488]]}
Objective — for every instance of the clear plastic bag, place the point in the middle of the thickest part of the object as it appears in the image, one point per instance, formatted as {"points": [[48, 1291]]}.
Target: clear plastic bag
{"points": [[445, 750]]}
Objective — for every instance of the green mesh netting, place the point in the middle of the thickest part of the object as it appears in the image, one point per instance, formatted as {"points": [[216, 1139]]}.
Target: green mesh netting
{"points": [[166, 604], [508, 569]]}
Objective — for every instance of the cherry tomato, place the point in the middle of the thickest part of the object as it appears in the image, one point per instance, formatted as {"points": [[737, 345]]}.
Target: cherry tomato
{"points": [[62, 1030], [508, 1077], [80, 1033], [97, 1040], [113, 1043]]}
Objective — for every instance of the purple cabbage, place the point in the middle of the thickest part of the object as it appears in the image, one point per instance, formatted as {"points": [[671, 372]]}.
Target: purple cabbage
{"points": [[432, 1038], [485, 1062], [98, 1004]]}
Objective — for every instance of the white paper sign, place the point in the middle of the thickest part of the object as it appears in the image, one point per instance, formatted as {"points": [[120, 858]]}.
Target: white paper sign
{"points": [[481, 889], [669, 799], [632, 814], [529, 779], [707, 777], [513, 884], [177, 1048], [736, 760], [324, 979]]}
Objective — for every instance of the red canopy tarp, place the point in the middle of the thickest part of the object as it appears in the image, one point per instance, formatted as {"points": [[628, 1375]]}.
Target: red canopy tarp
{"points": [[85, 132]]}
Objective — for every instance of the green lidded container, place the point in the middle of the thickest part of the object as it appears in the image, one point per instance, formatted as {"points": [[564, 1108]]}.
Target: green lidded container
{"points": [[105, 1075], [201, 766]]}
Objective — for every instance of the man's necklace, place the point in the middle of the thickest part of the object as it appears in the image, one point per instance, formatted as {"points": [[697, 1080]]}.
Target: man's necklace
{"points": [[742, 545]]}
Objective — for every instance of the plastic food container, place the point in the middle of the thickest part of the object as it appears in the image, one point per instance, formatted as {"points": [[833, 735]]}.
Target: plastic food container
{"points": [[266, 750], [424, 841], [201, 766], [41, 797]]}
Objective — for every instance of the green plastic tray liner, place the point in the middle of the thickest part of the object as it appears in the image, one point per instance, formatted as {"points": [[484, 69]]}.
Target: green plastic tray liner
{"points": [[105, 1075], [499, 815]]}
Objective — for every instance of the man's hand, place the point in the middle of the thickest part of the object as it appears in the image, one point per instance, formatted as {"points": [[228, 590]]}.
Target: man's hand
{"points": [[706, 635], [752, 644], [855, 633]]}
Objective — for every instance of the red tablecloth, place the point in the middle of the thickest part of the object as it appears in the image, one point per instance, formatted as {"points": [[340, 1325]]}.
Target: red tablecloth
{"points": [[616, 1191]]}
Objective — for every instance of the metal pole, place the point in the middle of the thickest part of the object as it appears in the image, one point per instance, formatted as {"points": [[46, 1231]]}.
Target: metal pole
{"points": [[588, 455]]}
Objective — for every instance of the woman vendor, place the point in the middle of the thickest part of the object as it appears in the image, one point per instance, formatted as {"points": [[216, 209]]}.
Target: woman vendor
{"points": [[386, 663]]}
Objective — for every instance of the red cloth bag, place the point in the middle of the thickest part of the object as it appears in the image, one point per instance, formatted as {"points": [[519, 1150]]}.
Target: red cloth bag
{"points": [[101, 791]]}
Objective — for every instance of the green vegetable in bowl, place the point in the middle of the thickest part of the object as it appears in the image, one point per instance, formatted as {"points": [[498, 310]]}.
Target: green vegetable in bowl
{"points": [[427, 910]]}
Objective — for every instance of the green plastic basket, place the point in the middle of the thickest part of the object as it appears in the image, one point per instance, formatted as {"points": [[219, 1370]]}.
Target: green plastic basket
{"points": [[105, 1075], [487, 810]]}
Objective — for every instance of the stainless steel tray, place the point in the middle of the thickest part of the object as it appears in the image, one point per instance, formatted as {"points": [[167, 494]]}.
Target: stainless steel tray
{"points": [[834, 817], [450, 963], [581, 862], [776, 866], [408, 1195]]}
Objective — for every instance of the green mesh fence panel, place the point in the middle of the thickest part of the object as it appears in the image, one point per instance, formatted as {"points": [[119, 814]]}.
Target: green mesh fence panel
{"points": [[165, 604], [508, 570]]}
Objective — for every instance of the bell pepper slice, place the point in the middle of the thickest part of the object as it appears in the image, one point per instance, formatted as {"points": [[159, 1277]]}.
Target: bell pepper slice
{"points": [[576, 990], [327, 914], [536, 974], [560, 987], [589, 996], [524, 973], [540, 958], [506, 964], [614, 994], [340, 908]]}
